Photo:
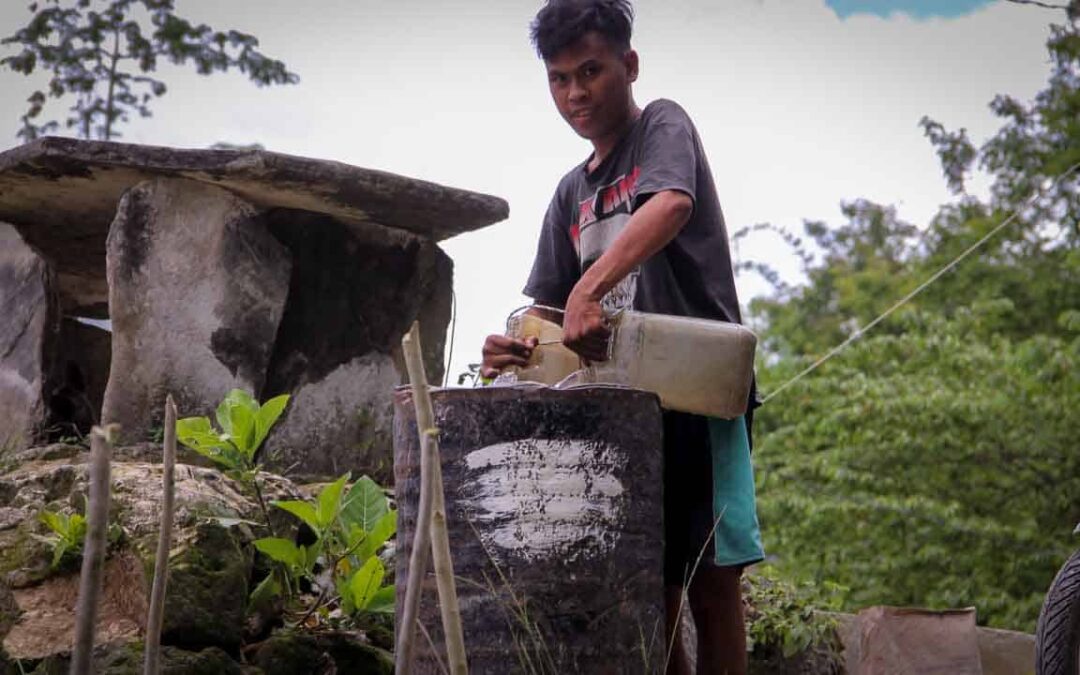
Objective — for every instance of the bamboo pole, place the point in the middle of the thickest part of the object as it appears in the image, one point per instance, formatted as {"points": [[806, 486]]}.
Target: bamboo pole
{"points": [[418, 557], [152, 661], [93, 563], [433, 511]]}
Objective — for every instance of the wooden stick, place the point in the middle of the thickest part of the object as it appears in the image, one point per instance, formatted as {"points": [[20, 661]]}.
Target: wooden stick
{"points": [[405, 646], [152, 661], [93, 563], [435, 509], [444, 569]]}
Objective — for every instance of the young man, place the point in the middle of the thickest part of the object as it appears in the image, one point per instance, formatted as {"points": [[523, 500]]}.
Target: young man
{"points": [[638, 224]]}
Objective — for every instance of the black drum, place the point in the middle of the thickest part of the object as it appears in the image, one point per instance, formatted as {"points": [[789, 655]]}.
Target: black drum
{"points": [[554, 502]]}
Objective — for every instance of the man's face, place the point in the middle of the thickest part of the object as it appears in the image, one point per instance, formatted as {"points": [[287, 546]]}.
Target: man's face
{"points": [[590, 84]]}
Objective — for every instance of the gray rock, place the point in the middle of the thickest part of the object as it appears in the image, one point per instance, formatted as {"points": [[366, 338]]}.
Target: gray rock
{"points": [[321, 654], [126, 658], [28, 305], [62, 193], [352, 296], [196, 289]]}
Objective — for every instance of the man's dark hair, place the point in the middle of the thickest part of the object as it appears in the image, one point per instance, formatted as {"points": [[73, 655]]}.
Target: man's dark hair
{"points": [[561, 23]]}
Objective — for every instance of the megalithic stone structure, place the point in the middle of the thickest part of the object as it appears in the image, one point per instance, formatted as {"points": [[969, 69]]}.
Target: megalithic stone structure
{"points": [[270, 272]]}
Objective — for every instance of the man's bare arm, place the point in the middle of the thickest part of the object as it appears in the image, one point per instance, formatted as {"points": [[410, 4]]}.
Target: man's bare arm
{"points": [[648, 231]]}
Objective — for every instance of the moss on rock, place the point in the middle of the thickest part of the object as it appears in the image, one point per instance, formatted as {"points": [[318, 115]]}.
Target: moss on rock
{"points": [[321, 653], [207, 595], [127, 659]]}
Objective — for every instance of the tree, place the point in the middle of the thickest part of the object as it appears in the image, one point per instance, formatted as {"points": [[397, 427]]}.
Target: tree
{"points": [[933, 462], [96, 51], [933, 467]]}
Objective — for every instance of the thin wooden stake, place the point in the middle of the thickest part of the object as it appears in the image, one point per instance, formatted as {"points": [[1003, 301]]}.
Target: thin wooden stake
{"points": [[152, 661], [431, 524], [418, 557], [93, 563], [444, 570]]}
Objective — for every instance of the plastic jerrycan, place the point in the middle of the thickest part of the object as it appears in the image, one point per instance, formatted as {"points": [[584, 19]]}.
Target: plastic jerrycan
{"points": [[550, 362], [695, 365]]}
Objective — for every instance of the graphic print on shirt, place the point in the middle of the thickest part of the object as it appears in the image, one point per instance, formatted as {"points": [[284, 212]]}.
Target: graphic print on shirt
{"points": [[601, 218]]}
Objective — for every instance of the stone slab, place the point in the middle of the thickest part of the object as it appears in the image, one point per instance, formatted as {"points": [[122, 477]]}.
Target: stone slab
{"points": [[62, 194]]}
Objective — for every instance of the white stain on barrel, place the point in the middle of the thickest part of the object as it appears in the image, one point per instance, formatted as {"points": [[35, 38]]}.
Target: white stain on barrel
{"points": [[545, 498]]}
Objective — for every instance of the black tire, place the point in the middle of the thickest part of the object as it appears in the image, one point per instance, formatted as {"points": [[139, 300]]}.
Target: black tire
{"points": [[1057, 636]]}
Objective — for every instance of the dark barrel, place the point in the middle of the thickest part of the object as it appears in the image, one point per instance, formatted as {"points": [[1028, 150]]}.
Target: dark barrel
{"points": [[554, 501]]}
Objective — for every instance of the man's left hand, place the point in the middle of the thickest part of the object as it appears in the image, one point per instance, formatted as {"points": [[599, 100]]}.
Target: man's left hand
{"points": [[585, 329]]}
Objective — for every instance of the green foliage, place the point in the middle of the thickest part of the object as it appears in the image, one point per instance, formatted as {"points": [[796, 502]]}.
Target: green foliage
{"points": [[785, 619], [68, 533], [350, 530], [934, 462], [929, 468], [101, 51], [244, 425]]}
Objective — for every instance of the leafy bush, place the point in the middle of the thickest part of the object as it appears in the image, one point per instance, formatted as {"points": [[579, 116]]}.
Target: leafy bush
{"points": [[244, 425], [785, 620], [68, 533], [350, 529]]}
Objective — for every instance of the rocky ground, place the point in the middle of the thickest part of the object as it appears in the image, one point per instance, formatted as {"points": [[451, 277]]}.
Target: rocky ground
{"points": [[208, 627]]}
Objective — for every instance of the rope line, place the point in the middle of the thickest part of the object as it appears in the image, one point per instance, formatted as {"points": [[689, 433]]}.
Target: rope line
{"points": [[918, 289]]}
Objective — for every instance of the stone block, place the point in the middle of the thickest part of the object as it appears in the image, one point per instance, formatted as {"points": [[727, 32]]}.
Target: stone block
{"points": [[353, 294], [31, 315], [197, 287]]}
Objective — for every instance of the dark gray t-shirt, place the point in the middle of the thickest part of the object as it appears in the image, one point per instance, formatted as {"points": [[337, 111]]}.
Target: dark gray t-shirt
{"points": [[692, 275]]}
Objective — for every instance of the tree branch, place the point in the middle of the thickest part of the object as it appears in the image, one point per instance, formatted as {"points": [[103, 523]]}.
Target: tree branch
{"points": [[1037, 3]]}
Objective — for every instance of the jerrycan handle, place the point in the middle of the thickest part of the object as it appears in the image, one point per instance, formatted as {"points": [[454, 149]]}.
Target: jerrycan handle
{"points": [[524, 308], [611, 318]]}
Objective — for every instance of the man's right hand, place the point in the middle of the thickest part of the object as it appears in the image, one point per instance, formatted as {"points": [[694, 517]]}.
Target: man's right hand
{"points": [[501, 351]]}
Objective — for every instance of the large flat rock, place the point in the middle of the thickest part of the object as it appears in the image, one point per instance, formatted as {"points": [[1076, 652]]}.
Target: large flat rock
{"points": [[61, 194]]}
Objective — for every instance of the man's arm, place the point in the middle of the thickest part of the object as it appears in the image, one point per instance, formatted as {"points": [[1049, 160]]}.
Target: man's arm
{"points": [[650, 228]]}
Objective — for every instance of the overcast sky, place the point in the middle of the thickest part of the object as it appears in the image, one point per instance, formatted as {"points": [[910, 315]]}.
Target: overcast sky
{"points": [[801, 104]]}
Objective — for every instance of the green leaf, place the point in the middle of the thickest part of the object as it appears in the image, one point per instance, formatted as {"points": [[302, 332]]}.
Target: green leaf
{"points": [[57, 522], [302, 510], [311, 554], [281, 550], [383, 601], [329, 502], [343, 590], [366, 582], [382, 530], [365, 504], [197, 434], [59, 549], [239, 411], [265, 591], [354, 536], [76, 529], [267, 415]]}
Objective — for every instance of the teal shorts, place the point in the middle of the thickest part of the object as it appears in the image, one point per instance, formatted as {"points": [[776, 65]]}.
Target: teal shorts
{"points": [[710, 510]]}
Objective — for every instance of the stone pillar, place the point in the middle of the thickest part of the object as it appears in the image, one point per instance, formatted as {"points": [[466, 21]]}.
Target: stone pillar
{"points": [[31, 317], [355, 291], [197, 286]]}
